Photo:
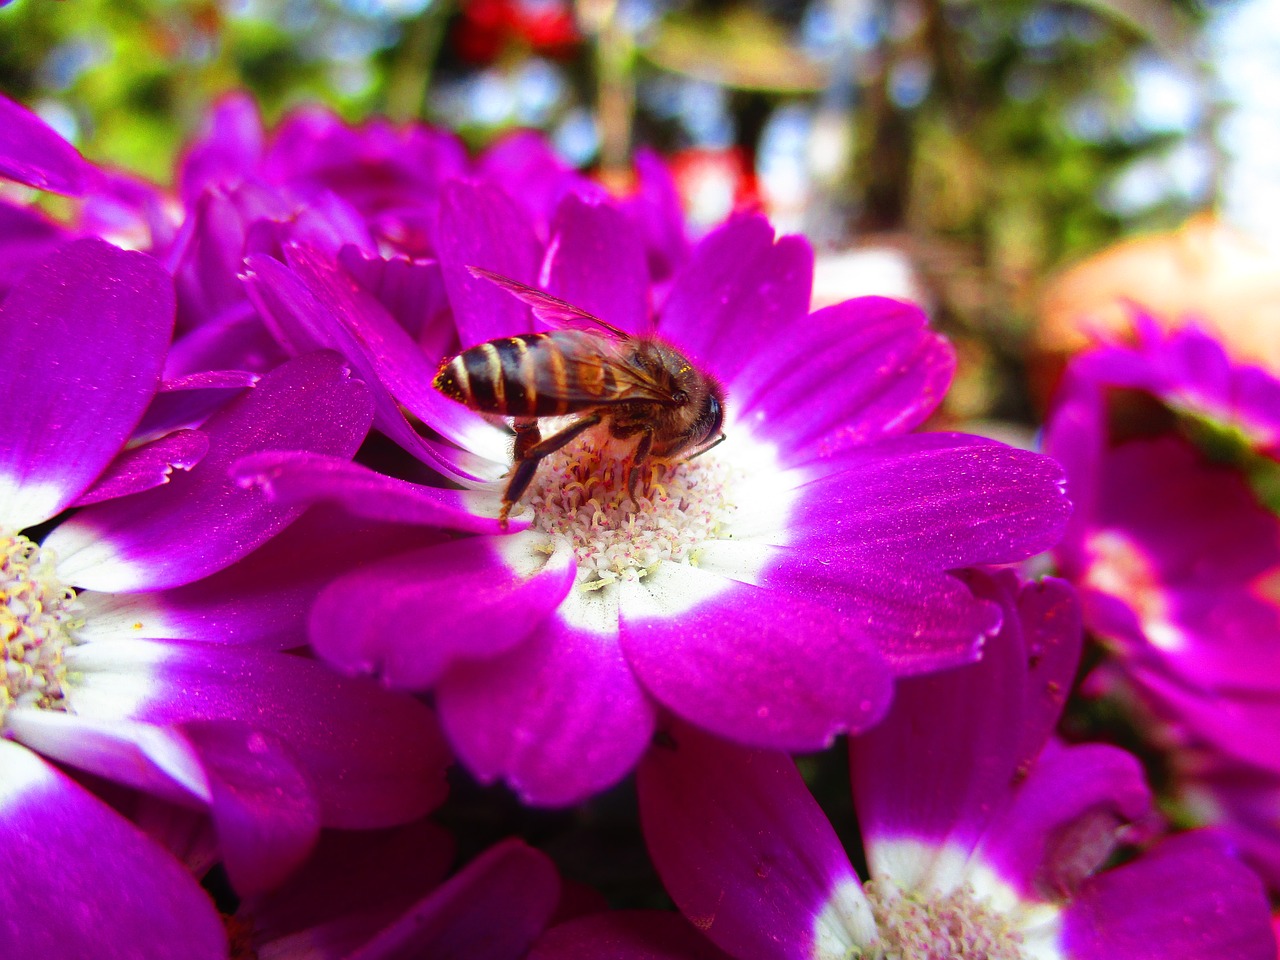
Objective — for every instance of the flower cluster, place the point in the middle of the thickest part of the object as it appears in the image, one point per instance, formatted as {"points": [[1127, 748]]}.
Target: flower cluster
{"points": [[264, 581], [1175, 547]]}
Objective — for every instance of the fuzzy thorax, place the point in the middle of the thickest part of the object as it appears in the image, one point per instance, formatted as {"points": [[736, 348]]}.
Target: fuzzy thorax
{"points": [[580, 495]]}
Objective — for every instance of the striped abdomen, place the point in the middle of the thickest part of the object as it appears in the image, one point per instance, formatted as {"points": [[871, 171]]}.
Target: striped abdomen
{"points": [[535, 375]]}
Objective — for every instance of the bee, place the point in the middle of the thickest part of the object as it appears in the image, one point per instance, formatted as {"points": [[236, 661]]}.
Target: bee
{"points": [[640, 387]]}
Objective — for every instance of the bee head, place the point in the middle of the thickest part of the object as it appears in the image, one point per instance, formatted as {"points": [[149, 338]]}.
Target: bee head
{"points": [[710, 418]]}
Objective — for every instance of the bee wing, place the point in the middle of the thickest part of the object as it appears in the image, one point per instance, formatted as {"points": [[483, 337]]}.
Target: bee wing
{"points": [[554, 312], [601, 372]]}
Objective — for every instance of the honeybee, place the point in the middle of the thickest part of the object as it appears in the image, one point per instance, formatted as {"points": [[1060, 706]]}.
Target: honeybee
{"points": [[641, 387]]}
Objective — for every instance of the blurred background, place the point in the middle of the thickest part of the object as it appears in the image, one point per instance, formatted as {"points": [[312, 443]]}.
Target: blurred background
{"points": [[957, 151]]}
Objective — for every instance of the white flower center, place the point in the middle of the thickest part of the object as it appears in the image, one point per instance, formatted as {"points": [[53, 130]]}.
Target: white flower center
{"points": [[39, 617], [580, 494], [954, 926]]}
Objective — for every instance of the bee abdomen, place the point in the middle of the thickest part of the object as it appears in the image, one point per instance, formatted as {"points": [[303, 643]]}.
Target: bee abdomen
{"points": [[501, 376]]}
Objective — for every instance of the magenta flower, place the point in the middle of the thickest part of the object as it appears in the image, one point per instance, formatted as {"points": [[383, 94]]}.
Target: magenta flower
{"points": [[109, 668], [983, 839], [1175, 556], [769, 590]]}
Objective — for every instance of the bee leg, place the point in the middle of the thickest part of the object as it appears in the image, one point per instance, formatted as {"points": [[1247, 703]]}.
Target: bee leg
{"points": [[527, 435], [527, 465], [710, 446], [637, 461]]}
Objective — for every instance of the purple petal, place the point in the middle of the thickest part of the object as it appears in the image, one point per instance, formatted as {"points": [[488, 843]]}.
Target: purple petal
{"points": [[1186, 899], [31, 152], [559, 717], [1075, 436], [205, 260], [463, 600], [597, 262], [227, 150], [1050, 616], [306, 315], [758, 666], [395, 359], [83, 335], [481, 226], [26, 237], [916, 501], [190, 400], [373, 758], [1066, 817], [626, 935], [746, 853], [850, 375], [263, 600], [1189, 369], [655, 208], [739, 289], [413, 292], [942, 761], [261, 804], [1162, 512], [202, 521], [359, 878], [300, 479], [57, 845], [147, 466], [919, 621], [530, 170], [493, 909], [160, 761]]}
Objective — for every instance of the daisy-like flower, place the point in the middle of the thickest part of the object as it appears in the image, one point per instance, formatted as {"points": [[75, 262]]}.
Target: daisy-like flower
{"points": [[768, 590], [106, 624], [983, 840], [1176, 554]]}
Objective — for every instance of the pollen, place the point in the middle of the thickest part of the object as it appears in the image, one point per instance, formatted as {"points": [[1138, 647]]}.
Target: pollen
{"points": [[954, 926], [39, 618], [580, 494]]}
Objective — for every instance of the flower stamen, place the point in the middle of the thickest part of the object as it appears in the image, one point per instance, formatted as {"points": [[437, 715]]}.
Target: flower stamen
{"points": [[954, 926], [39, 617], [580, 494]]}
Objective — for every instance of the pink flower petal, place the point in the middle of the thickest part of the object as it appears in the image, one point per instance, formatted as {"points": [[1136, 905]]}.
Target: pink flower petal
{"points": [[481, 226], [851, 374], [83, 335], [31, 152], [373, 758], [262, 806], [493, 909], [293, 479], [1186, 899], [597, 262], [559, 717], [78, 880], [758, 666], [458, 601], [746, 853], [738, 290], [142, 468], [201, 521]]}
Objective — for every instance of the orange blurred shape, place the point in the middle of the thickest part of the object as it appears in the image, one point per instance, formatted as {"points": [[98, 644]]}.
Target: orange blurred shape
{"points": [[1205, 271]]}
